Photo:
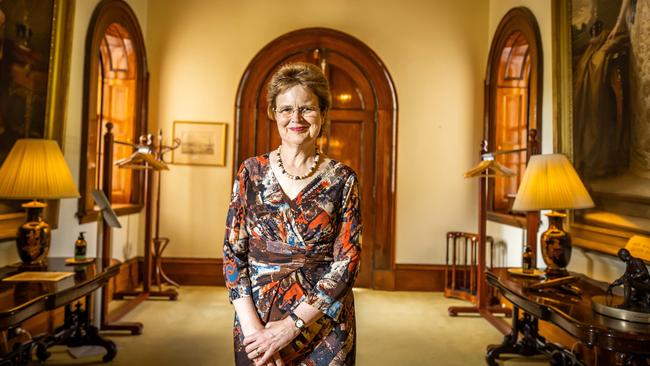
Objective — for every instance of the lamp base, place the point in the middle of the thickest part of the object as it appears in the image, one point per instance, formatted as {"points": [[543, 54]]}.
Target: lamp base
{"points": [[33, 237], [556, 249]]}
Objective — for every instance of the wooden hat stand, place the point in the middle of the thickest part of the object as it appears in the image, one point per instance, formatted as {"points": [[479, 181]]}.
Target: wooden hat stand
{"points": [[148, 156]]}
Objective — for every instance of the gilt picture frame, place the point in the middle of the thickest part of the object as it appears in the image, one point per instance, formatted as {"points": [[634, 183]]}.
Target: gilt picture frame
{"points": [[594, 120], [202, 143], [36, 45]]}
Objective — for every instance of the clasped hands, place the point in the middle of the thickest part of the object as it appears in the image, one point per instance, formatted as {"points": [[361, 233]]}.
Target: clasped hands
{"points": [[263, 346]]}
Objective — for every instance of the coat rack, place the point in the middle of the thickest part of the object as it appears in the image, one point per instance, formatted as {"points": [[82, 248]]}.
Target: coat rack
{"points": [[148, 156], [107, 188], [489, 164]]}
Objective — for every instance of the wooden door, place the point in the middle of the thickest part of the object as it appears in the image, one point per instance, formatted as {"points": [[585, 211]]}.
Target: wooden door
{"points": [[360, 133], [513, 109]]}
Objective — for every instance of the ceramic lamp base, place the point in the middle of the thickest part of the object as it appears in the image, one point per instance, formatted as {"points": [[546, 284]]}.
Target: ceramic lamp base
{"points": [[33, 236], [556, 249]]}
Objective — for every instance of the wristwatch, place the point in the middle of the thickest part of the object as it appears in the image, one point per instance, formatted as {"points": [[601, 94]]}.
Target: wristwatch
{"points": [[299, 323]]}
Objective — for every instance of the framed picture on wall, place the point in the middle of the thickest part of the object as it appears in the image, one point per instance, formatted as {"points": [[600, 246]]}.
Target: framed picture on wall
{"points": [[602, 74], [35, 44], [202, 143]]}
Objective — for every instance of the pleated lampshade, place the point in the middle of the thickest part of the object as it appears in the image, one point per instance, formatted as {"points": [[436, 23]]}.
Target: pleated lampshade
{"points": [[551, 183], [35, 168]]}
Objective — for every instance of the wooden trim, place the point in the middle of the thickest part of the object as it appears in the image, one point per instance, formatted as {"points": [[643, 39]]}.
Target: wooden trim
{"points": [[209, 272], [522, 20], [128, 278], [9, 224], [106, 13], [194, 271], [507, 219], [419, 277]]}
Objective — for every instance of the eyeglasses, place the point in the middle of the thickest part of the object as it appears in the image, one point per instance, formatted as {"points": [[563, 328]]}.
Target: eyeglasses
{"points": [[307, 111]]}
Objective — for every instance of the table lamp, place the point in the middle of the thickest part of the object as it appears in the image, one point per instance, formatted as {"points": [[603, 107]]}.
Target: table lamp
{"points": [[35, 169], [551, 183]]}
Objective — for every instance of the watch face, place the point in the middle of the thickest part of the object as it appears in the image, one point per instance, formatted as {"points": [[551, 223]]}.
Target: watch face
{"points": [[300, 324]]}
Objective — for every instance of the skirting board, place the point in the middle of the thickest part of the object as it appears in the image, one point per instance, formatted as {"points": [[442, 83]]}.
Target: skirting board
{"points": [[419, 277], [194, 271], [209, 272]]}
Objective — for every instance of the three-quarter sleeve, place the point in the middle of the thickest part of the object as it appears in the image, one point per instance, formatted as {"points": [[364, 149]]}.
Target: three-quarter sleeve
{"points": [[235, 246], [339, 279]]}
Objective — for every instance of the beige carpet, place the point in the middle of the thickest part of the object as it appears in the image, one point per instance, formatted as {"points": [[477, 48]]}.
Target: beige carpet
{"points": [[394, 328]]}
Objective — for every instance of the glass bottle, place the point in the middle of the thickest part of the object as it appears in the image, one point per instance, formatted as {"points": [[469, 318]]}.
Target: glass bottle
{"points": [[80, 247], [527, 260]]}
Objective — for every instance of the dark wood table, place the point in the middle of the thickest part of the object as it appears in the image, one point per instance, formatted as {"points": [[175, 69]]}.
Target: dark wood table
{"points": [[20, 301], [621, 342]]}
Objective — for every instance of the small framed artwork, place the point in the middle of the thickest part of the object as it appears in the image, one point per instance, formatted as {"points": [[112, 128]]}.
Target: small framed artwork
{"points": [[202, 143]]}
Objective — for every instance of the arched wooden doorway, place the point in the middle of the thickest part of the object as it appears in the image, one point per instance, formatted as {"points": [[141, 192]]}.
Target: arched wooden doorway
{"points": [[115, 90], [513, 109], [362, 132]]}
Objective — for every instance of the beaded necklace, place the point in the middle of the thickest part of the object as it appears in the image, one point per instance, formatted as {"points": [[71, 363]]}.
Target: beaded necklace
{"points": [[298, 177]]}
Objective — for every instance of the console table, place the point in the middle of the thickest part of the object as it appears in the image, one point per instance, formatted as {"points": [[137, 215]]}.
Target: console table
{"points": [[20, 301], [620, 342]]}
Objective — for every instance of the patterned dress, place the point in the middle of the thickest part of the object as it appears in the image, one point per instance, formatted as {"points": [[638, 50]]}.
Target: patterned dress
{"points": [[283, 252]]}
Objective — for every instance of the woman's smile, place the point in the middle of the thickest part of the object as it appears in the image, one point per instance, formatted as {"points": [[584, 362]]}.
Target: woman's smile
{"points": [[299, 129]]}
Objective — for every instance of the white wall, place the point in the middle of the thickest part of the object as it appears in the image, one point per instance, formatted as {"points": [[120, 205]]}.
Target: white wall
{"points": [[131, 235], [434, 50], [602, 267]]}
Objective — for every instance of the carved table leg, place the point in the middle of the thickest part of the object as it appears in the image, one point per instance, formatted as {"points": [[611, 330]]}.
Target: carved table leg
{"points": [[76, 331], [509, 344], [21, 354], [626, 359], [530, 344]]}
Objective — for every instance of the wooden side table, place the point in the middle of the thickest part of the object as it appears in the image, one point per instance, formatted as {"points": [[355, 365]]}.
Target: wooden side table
{"points": [[618, 342], [20, 301]]}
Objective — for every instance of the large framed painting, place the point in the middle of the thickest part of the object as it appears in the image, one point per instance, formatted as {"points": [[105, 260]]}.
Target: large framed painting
{"points": [[35, 40], [602, 95]]}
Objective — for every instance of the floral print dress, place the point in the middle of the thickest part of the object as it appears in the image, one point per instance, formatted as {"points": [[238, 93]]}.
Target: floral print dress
{"points": [[283, 251]]}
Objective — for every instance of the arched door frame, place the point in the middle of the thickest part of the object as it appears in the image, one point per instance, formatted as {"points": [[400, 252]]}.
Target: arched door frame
{"points": [[247, 117], [106, 13], [519, 19]]}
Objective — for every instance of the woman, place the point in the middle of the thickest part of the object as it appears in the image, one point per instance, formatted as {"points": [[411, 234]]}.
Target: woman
{"points": [[292, 243]]}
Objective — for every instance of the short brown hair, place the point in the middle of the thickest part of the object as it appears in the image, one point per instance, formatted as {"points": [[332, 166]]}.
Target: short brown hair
{"points": [[299, 73]]}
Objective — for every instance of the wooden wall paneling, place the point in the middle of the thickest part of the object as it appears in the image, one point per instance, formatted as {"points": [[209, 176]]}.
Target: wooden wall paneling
{"points": [[419, 277], [362, 67], [195, 271], [209, 272]]}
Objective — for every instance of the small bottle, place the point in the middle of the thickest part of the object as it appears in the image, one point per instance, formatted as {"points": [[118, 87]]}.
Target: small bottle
{"points": [[80, 247], [527, 260]]}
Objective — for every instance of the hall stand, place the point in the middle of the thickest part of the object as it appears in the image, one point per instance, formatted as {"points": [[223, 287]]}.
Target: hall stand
{"points": [[482, 304], [150, 159], [159, 244], [106, 322]]}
